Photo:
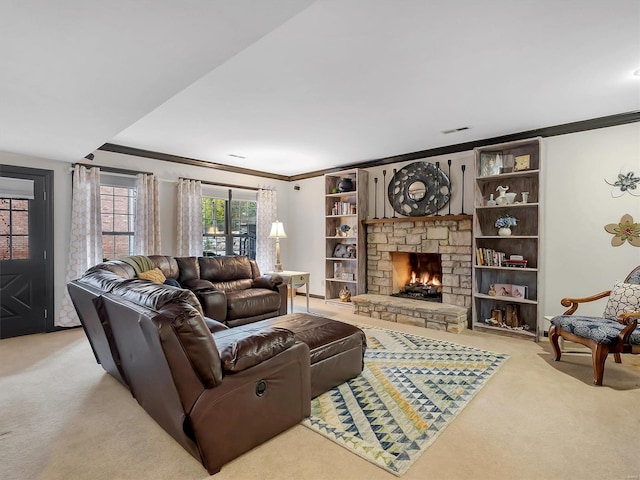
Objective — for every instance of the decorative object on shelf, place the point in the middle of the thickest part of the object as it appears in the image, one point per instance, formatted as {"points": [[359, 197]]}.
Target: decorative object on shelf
{"points": [[345, 185], [394, 174], [502, 195], [343, 250], [419, 189], [511, 197], [625, 231], [375, 198], [490, 164], [522, 162], [492, 290], [346, 276], [625, 183], [277, 232], [463, 167], [491, 202], [384, 204], [345, 294], [337, 269], [525, 197], [437, 212], [343, 230], [504, 224], [449, 164]]}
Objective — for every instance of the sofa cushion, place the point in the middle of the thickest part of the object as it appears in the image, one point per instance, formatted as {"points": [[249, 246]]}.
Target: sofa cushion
{"points": [[624, 298], [105, 280], [224, 269], [195, 340], [598, 329], [153, 295], [251, 302], [239, 352], [155, 275], [189, 268], [233, 285], [172, 282]]}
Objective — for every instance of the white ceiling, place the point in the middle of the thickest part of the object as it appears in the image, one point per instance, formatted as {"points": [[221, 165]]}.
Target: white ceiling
{"points": [[297, 85]]}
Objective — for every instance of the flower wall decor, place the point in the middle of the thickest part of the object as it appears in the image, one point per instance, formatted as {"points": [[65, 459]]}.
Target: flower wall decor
{"points": [[625, 231], [625, 183]]}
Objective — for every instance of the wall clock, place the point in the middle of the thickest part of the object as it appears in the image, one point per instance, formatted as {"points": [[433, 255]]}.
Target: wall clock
{"points": [[419, 189]]}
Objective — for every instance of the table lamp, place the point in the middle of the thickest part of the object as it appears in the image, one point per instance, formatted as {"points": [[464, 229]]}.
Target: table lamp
{"points": [[277, 232]]}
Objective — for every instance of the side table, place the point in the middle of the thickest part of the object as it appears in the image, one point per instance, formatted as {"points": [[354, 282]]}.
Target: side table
{"points": [[294, 280]]}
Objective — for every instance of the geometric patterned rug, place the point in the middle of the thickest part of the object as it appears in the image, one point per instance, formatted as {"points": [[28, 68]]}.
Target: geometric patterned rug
{"points": [[411, 388]]}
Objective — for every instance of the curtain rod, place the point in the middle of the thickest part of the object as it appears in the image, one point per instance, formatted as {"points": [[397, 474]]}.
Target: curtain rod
{"points": [[112, 169], [228, 185]]}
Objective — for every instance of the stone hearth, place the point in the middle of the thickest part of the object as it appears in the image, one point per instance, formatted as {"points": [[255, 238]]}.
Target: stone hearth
{"points": [[448, 236]]}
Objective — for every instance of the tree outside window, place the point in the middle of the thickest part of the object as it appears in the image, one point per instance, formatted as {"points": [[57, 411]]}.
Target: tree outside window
{"points": [[229, 227]]}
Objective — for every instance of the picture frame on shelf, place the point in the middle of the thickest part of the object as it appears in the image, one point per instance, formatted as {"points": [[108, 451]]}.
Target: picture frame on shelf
{"points": [[503, 289], [490, 163], [519, 291], [522, 162]]}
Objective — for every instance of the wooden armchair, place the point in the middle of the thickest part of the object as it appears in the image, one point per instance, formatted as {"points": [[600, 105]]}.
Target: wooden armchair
{"points": [[615, 332]]}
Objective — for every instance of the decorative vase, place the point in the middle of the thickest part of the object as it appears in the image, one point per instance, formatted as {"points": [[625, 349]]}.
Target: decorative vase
{"points": [[491, 202], [504, 231], [345, 185]]}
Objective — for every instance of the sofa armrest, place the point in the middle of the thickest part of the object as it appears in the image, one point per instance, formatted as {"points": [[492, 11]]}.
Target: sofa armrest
{"points": [[267, 281], [214, 304], [240, 352], [275, 395], [198, 285], [214, 325]]}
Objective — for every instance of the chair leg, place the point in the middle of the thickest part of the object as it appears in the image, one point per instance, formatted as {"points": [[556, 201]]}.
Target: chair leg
{"points": [[553, 340], [599, 355], [617, 358]]}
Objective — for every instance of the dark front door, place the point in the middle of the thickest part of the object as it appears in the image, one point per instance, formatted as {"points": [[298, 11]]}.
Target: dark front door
{"points": [[26, 252]]}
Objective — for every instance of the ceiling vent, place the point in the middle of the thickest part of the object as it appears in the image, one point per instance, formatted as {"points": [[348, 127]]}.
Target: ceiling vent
{"points": [[454, 130]]}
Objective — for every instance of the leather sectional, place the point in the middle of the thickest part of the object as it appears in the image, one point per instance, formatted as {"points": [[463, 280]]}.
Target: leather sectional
{"points": [[218, 391]]}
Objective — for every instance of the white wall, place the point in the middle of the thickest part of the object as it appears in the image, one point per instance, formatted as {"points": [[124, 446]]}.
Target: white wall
{"points": [[578, 258]]}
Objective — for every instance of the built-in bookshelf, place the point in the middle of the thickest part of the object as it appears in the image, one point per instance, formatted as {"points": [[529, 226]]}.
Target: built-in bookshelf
{"points": [[506, 272], [345, 239]]}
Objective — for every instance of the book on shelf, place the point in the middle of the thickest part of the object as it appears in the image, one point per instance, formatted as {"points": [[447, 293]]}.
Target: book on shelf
{"points": [[343, 208], [489, 257]]}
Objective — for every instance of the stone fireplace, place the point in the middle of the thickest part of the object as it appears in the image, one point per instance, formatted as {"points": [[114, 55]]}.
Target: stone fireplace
{"points": [[390, 243]]}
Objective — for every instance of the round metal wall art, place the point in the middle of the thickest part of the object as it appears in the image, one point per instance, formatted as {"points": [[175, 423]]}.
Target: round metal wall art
{"points": [[419, 189]]}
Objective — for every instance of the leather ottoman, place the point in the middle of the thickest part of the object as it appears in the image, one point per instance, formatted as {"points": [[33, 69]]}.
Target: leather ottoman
{"points": [[337, 348]]}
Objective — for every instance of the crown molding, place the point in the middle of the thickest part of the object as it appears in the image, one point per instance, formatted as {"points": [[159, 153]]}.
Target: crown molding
{"points": [[564, 129]]}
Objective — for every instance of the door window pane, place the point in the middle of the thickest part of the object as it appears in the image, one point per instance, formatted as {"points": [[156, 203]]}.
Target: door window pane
{"points": [[14, 229]]}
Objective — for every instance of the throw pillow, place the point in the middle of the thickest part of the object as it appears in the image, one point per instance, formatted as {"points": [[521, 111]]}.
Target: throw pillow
{"points": [[173, 282], [624, 298], [154, 275]]}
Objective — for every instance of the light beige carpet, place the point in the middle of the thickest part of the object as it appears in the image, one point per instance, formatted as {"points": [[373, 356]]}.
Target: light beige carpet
{"points": [[63, 417]]}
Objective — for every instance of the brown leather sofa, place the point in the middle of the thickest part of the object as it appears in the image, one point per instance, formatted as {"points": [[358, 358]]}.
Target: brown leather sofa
{"points": [[217, 391], [230, 290]]}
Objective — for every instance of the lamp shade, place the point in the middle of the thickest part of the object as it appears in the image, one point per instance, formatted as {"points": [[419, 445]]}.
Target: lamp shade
{"points": [[277, 230]]}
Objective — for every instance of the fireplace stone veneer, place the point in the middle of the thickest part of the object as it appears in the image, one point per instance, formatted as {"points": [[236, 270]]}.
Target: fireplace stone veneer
{"points": [[447, 235]]}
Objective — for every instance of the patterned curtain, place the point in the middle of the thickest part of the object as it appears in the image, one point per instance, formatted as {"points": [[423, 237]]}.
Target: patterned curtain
{"points": [[189, 218], [85, 244], [267, 214], [146, 237]]}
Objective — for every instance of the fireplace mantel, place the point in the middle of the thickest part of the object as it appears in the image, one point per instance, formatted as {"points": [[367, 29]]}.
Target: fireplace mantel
{"points": [[431, 218]]}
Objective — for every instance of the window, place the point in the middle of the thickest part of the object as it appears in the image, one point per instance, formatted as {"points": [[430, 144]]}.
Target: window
{"points": [[14, 229], [228, 226], [118, 206]]}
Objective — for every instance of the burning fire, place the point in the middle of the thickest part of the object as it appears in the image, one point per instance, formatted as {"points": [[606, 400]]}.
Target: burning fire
{"points": [[426, 280]]}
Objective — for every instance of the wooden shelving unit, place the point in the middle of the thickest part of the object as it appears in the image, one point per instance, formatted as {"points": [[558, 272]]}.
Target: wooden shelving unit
{"points": [[524, 240], [345, 208]]}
